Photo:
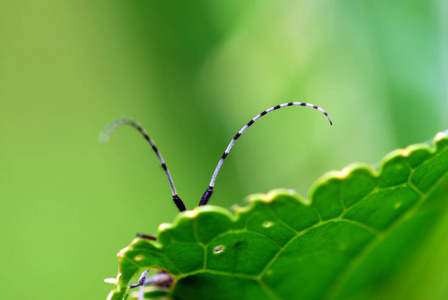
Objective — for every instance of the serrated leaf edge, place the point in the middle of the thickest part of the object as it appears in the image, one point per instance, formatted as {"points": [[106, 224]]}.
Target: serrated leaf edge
{"points": [[233, 215]]}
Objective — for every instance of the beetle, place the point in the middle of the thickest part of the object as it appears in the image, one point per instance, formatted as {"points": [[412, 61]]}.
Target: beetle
{"points": [[163, 279]]}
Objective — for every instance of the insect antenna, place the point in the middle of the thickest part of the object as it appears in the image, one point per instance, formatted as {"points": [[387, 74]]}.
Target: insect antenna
{"points": [[208, 193], [111, 127]]}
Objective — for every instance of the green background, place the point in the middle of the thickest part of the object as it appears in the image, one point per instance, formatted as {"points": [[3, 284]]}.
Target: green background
{"points": [[193, 73]]}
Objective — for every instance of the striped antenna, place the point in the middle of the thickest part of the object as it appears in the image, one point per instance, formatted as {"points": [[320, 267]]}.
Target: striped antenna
{"points": [[107, 132], [208, 193]]}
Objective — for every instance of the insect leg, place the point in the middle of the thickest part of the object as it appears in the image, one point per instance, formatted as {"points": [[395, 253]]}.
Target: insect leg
{"points": [[141, 280]]}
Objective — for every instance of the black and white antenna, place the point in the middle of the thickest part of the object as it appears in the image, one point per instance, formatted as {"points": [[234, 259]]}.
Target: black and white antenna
{"points": [[208, 193], [107, 132], [163, 278]]}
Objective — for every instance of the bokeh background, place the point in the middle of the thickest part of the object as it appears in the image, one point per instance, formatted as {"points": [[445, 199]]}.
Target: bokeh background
{"points": [[193, 73]]}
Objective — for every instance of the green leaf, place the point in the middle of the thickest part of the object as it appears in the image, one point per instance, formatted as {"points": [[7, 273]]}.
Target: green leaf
{"points": [[359, 227]]}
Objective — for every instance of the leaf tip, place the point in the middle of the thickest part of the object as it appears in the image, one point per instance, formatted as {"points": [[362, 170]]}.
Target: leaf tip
{"points": [[441, 135], [342, 174], [111, 280], [164, 226], [190, 214], [271, 195], [111, 294], [122, 252], [252, 198], [404, 152]]}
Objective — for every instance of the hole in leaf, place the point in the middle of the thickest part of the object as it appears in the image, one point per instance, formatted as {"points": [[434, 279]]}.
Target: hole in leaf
{"points": [[267, 224], [138, 257], [218, 249]]}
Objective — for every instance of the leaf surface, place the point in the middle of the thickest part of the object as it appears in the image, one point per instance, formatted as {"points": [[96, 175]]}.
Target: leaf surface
{"points": [[358, 228]]}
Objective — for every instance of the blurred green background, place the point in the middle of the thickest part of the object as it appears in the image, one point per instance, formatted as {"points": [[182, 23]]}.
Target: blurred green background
{"points": [[193, 73]]}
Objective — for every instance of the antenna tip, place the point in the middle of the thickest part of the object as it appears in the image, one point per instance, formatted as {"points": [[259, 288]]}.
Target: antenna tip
{"points": [[112, 126], [103, 138]]}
